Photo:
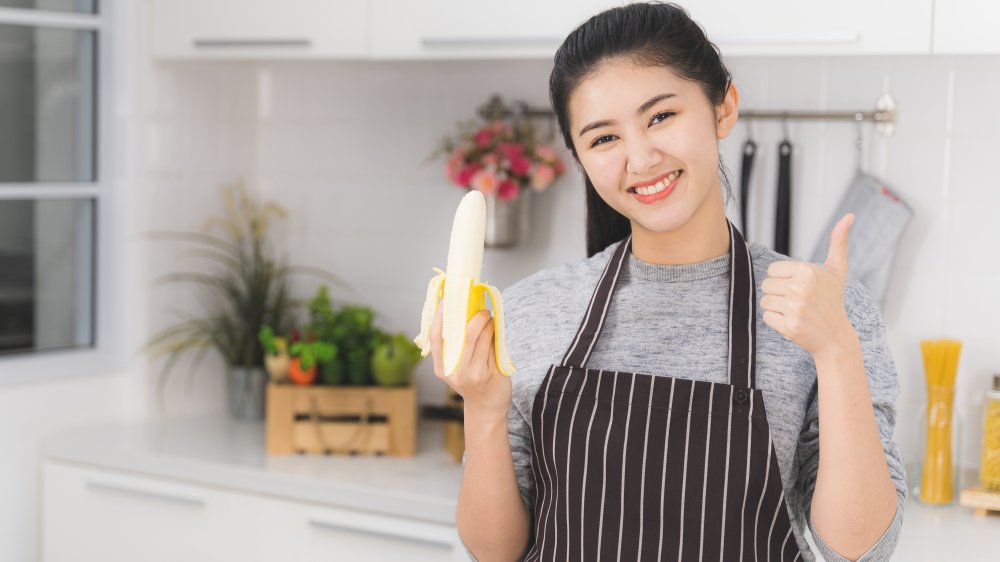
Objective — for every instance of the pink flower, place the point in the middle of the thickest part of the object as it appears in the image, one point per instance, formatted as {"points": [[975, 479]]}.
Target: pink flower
{"points": [[484, 137], [453, 168], [465, 175], [542, 177], [508, 190], [519, 165], [546, 153], [490, 159], [560, 167], [499, 127], [485, 181], [510, 150]]}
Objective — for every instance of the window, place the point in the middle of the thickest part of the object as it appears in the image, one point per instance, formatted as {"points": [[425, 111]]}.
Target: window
{"points": [[51, 186]]}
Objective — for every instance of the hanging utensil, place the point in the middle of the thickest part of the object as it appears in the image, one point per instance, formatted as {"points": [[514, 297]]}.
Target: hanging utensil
{"points": [[746, 169], [784, 201]]}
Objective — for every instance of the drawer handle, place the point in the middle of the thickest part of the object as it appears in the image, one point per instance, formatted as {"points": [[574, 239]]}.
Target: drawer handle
{"points": [[134, 490], [425, 534], [244, 43], [459, 42]]}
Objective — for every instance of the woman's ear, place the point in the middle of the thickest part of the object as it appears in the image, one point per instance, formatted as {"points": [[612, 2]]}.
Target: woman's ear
{"points": [[728, 111]]}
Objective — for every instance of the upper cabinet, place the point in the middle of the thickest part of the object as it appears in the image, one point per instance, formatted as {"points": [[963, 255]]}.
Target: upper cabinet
{"points": [[481, 29], [795, 27], [966, 27], [259, 29], [466, 29]]}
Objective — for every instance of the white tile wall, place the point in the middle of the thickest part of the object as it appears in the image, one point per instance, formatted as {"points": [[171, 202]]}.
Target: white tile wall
{"points": [[342, 145]]}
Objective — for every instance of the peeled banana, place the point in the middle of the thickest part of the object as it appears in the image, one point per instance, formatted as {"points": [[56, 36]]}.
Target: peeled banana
{"points": [[463, 293]]}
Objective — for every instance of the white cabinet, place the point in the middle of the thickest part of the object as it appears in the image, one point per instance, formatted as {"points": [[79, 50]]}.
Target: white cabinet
{"points": [[259, 29], [101, 515], [966, 27], [464, 29], [109, 516], [485, 29], [794, 27], [294, 532]]}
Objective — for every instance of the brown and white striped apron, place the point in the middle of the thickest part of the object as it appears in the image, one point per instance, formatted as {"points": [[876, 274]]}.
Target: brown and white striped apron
{"points": [[632, 466]]}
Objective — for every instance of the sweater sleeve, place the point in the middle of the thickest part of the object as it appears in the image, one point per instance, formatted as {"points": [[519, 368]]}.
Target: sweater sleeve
{"points": [[883, 385]]}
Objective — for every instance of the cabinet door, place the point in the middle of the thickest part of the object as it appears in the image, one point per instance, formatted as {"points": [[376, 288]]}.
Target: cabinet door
{"points": [[464, 29], [966, 27], [810, 27], [259, 29], [523, 28], [295, 532], [98, 514]]}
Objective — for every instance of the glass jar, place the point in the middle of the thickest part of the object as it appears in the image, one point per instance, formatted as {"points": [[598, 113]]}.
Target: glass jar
{"points": [[939, 433], [989, 473]]}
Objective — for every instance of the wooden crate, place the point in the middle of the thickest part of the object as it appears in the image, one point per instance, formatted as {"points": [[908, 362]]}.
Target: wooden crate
{"points": [[341, 420], [983, 501]]}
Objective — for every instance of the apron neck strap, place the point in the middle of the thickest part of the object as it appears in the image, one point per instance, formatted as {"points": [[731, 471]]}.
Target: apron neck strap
{"points": [[742, 351]]}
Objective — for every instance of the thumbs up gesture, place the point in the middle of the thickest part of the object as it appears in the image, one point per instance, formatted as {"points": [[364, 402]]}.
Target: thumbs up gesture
{"points": [[804, 302]]}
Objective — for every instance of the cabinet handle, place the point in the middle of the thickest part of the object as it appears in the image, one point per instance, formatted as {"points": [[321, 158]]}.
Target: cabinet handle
{"points": [[460, 42], [422, 533], [138, 491], [244, 43]]}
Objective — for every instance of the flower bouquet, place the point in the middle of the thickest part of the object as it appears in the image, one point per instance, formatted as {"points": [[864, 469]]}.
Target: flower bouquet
{"points": [[499, 154]]}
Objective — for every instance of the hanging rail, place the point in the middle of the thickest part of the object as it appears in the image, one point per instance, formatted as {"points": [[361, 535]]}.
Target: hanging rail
{"points": [[884, 115]]}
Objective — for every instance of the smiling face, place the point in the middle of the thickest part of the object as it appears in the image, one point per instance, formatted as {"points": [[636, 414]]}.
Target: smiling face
{"points": [[636, 126]]}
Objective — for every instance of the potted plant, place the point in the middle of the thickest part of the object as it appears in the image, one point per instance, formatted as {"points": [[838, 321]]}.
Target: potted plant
{"points": [[500, 155], [305, 357], [244, 286], [276, 358], [353, 335]]}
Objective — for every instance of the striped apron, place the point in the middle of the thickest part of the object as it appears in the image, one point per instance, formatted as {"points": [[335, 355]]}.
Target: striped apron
{"points": [[632, 466]]}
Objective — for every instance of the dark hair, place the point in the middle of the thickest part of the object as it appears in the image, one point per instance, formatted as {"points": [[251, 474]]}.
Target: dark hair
{"points": [[649, 34]]}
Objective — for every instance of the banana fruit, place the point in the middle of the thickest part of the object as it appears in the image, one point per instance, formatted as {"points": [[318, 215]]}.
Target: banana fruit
{"points": [[464, 295]]}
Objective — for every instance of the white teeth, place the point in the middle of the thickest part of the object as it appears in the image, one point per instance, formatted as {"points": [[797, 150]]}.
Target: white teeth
{"points": [[660, 185]]}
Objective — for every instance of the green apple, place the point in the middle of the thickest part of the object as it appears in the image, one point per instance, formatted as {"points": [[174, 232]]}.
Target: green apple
{"points": [[393, 361]]}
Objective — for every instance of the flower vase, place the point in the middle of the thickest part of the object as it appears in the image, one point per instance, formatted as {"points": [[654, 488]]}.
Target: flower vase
{"points": [[506, 220], [247, 390]]}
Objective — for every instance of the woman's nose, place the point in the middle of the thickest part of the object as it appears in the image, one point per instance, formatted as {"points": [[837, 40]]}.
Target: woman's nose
{"points": [[643, 155]]}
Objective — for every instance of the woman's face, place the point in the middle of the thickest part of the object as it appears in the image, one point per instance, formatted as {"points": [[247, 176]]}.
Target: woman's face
{"points": [[633, 126]]}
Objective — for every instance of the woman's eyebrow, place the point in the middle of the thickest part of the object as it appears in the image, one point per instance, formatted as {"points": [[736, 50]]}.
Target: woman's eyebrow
{"points": [[642, 109]]}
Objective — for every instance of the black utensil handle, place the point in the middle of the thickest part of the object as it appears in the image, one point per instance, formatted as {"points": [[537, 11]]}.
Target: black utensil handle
{"points": [[746, 169], [783, 209]]}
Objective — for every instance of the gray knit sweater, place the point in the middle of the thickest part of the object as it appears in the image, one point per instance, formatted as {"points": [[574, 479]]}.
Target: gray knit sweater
{"points": [[672, 320]]}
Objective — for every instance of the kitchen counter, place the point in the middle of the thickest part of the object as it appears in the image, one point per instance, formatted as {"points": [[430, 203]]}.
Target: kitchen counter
{"points": [[229, 454]]}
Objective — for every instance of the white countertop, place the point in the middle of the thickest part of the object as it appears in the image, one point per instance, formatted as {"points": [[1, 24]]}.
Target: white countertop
{"points": [[229, 454]]}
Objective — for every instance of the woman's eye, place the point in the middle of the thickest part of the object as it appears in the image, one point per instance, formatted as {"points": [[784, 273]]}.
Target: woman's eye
{"points": [[597, 141], [664, 114]]}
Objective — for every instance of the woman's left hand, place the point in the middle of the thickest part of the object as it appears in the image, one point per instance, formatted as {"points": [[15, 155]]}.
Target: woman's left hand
{"points": [[805, 302]]}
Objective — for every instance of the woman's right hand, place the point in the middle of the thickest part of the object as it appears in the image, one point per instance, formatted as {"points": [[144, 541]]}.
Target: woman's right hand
{"points": [[484, 389]]}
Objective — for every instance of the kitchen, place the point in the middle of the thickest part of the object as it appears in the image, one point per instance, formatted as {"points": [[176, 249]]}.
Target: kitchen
{"points": [[332, 111]]}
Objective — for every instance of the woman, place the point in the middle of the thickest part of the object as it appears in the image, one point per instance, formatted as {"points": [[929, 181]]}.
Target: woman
{"points": [[671, 386]]}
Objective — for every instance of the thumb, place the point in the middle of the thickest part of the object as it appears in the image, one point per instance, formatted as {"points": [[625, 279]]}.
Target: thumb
{"points": [[836, 258]]}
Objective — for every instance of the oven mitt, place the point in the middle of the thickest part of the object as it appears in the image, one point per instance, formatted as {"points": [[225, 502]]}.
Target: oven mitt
{"points": [[880, 217]]}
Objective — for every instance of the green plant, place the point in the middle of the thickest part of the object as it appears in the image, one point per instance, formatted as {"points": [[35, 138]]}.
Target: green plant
{"points": [[311, 353], [244, 288], [352, 331], [268, 340]]}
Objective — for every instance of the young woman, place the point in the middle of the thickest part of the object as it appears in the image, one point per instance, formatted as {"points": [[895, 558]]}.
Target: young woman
{"points": [[671, 387]]}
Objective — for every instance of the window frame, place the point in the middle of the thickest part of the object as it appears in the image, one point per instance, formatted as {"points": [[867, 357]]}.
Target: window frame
{"points": [[108, 350]]}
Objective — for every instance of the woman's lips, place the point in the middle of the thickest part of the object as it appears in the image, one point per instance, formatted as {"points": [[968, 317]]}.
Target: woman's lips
{"points": [[662, 194]]}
